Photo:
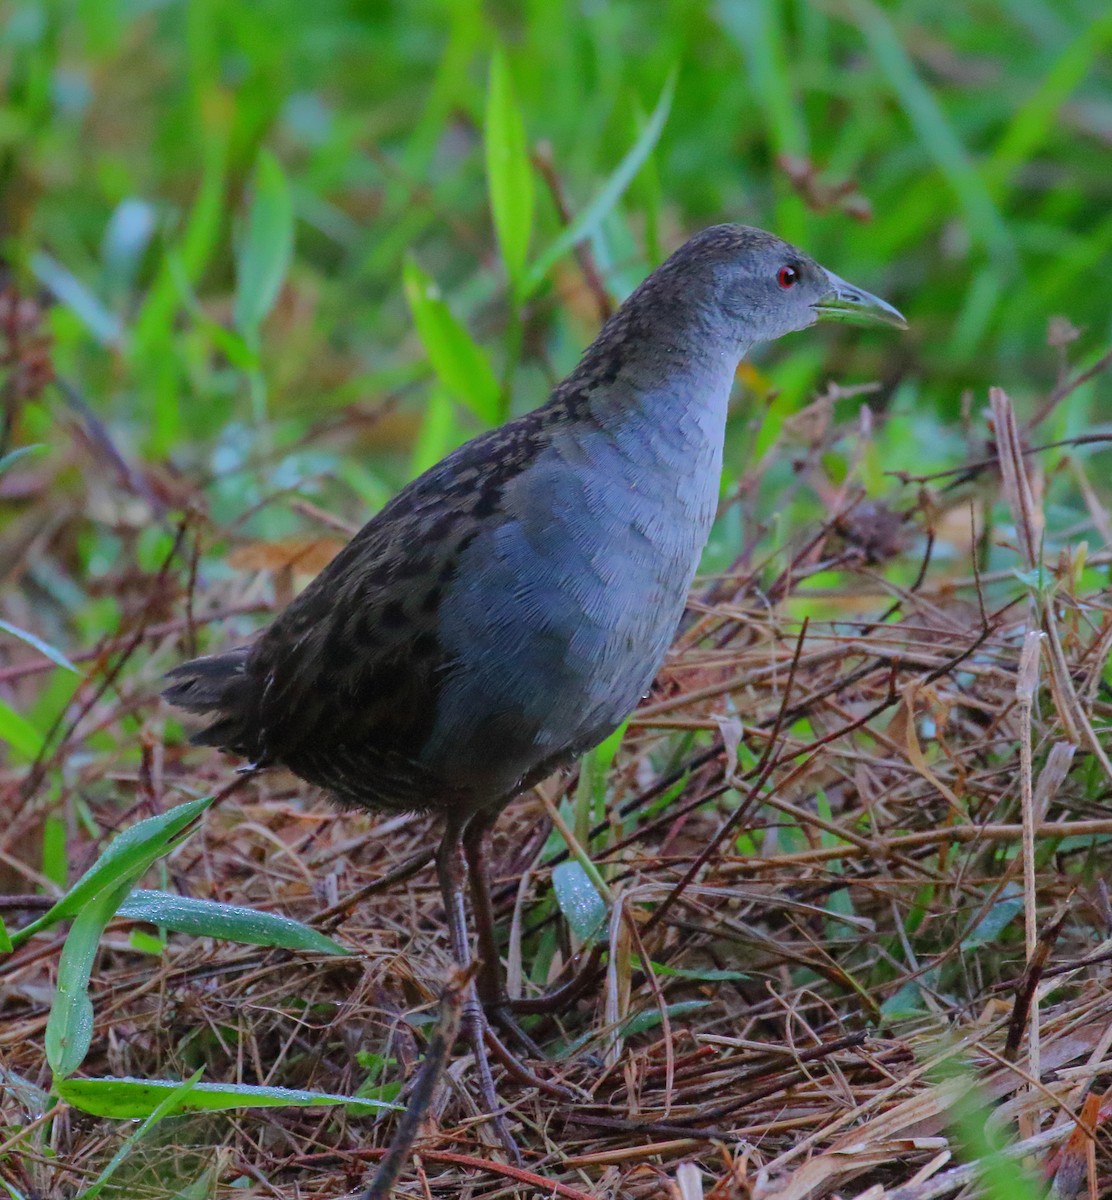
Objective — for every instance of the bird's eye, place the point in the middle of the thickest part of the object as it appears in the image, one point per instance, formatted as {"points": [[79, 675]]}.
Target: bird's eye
{"points": [[787, 277]]}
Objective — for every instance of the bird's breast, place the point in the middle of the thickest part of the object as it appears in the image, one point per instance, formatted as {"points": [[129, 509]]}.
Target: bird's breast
{"points": [[561, 612]]}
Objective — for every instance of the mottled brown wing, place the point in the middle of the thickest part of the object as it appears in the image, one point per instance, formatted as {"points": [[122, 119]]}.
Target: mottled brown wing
{"points": [[350, 672], [354, 660]]}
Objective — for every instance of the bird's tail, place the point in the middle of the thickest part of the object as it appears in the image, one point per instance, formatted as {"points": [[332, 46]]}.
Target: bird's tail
{"points": [[216, 685]]}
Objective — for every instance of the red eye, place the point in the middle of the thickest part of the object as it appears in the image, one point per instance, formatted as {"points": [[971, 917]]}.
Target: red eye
{"points": [[787, 277]]}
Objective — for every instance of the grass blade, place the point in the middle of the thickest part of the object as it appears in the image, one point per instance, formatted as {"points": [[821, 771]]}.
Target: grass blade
{"points": [[19, 733], [55, 656], [168, 1105], [933, 128], [124, 859], [267, 247], [1035, 119], [128, 1099], [60, 281], [69, 1028], [596, 212], [461, 365], [509, 176], [232, 922], [13, 456], [579, 900]]}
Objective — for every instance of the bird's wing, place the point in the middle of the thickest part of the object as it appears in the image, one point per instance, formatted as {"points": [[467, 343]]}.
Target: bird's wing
{"points": [[356, 659]]}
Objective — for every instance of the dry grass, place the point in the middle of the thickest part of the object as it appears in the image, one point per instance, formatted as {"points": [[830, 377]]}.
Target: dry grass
{"points": [[860, 808]]}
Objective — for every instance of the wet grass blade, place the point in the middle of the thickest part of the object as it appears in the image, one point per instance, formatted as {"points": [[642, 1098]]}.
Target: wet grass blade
{"points": [[124, 859], [232, 922], [169, 1105], [69, 1028], [128, 1099]]}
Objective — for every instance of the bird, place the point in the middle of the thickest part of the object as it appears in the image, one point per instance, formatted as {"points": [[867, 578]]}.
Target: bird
{"points": [[509, 608]]}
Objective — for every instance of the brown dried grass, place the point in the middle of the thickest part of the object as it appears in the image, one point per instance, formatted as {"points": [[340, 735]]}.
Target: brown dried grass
{"points": [[851, 797]]}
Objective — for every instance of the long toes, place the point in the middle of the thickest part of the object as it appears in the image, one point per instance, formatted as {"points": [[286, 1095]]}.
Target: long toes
{"points": [[501, 1016]]}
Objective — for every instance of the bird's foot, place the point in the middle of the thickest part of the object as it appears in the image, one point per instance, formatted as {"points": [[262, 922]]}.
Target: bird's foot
{"points": [[479, 1035], [520, 1073], [586, 975], [500, 1016]]}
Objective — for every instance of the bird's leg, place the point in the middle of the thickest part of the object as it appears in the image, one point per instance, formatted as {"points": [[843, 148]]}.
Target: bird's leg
{"points": [[451, 869], [476, 846]]}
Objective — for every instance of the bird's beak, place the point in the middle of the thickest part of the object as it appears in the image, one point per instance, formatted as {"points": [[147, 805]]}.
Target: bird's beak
{"points": [[844, 302]]}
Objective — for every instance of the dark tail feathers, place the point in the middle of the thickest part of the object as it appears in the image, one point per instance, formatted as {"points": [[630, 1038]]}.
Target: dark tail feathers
{"points": [[216, 685]]}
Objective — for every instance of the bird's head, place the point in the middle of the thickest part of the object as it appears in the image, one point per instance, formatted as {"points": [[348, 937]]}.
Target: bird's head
{"points": [[762, 287]]}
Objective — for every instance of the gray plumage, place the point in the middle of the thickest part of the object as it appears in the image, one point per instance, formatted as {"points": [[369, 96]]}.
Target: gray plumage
{"points": [[507, 609]]}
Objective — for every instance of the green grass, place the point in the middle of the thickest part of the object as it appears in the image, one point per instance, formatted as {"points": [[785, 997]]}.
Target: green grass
{"points": [[223, 199], [297, 252]]}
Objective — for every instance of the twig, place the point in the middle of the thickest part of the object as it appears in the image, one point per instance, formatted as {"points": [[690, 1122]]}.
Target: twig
{"points": [[330, 918], [1028, 986], [542, 160], [436, 1057], [1027, 682]]}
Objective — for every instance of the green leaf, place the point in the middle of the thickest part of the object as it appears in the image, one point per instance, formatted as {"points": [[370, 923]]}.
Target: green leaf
{"points": [[981, 1140], [583, 907], [440, 432], [700, 974], [19, 733], [904, 1004], [509, 176], [760, 29], [100, 321], [233, 922], [145, 943], [69, 1028], [44, 648], [267, 247], [170, 1104], [31, 1099], [994, 922], [649, 1018], [131, 1098], [5, 939], [155, 349], [375, 1087], [55, 864], [124, 859], [597, 211], [590, 794], [461, 366], [200, 1188], [1037, 118]]}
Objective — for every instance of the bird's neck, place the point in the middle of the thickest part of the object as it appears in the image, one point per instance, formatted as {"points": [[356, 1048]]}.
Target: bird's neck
{"points": [[670, 377]]}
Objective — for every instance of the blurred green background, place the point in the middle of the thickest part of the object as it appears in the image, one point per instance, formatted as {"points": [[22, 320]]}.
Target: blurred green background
{"points": [[219, 202]]}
